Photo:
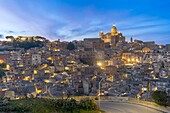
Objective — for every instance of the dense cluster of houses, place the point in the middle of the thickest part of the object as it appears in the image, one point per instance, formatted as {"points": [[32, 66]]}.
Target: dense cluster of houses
{"points": [[133, 69]]}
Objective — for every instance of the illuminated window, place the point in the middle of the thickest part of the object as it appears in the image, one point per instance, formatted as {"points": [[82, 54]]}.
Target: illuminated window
{"points": [[8, 67], [46, 71], [35, 71], [1, 61]]}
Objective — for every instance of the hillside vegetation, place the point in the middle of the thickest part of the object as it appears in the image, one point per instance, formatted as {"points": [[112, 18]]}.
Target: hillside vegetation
{"points": [[51, 106]]}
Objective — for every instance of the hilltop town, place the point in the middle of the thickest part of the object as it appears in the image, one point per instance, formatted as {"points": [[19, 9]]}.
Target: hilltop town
{"points": [[35, 66]]}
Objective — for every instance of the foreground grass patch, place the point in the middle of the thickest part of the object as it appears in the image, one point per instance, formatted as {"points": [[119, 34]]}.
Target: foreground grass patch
{"points": [[37, 105], [28, 105]]}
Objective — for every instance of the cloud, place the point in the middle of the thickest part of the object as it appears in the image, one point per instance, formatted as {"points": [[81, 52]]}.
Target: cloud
{"points": [[60, 20], [1, 35]]}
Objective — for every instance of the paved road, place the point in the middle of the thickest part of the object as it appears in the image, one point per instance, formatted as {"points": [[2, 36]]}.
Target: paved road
{"points": [[119, 107]]}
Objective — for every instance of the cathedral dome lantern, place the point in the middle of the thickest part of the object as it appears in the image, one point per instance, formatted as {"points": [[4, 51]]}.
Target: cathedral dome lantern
{"points": [[114, 30]]}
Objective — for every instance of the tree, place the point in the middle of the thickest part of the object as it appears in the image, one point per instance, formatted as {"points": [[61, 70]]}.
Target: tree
{"points": [[70, 46], [2, 73], [70, 105], [88, 104], [160, 97], [10, 37], [3, 65]]}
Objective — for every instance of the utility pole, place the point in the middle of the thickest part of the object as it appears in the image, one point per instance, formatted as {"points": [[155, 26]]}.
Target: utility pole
{"points": [[99, 87]]}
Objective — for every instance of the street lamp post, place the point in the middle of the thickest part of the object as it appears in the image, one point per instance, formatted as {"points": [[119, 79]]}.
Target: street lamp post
{"points": [[99, 87]]}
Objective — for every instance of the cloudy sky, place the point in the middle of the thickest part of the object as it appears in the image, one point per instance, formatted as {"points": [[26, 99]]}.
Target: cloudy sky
{"points": [[77, 19]]}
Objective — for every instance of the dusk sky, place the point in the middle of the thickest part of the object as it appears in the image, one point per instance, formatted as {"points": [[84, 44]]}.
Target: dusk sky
{"points": [[77, 19]]}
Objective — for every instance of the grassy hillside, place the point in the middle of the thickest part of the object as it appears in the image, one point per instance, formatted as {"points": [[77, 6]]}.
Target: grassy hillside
{"points": [[50, 106]]}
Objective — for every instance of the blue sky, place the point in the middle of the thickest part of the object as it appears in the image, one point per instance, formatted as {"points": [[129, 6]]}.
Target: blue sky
{"points": [[77, 19]]}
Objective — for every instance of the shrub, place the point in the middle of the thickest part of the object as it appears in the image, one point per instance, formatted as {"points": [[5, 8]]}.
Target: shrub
{"points": [[96, 98], [17, 108], [70, 105], [88, 104], [70, 46], [42, 106], [63, 105], [160, 98]]}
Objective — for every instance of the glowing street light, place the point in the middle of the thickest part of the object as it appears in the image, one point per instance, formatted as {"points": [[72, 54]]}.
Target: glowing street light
{"points": [[137, 60], [133, 59], [99, 87], [99, 64]]}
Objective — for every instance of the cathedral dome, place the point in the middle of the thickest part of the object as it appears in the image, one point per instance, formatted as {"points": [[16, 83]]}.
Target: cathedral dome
{"points": [[113, 30]]}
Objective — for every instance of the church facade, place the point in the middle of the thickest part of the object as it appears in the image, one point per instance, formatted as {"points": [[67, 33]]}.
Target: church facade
{"points": [[112, 37]]}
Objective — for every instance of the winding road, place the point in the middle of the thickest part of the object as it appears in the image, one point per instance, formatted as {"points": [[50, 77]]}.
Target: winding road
{"points": [[120, 107]]}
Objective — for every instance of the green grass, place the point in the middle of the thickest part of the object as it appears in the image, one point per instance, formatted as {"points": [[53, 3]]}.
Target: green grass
{"points": [[29, 105], [35, 106]]}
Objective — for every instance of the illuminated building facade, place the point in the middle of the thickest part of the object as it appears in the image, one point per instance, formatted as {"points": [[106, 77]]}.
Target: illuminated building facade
{"points": [[57, 45], [112, 37], [58, 63], [4, 57], [130, 58], [30, 38]]}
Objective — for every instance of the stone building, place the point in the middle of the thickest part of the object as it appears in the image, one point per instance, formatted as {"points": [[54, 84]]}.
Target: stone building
{"points": [[167, 47], [56, 45], [58, 63], [87, 57], [95, 43], [4, 57], [112, 37], [130, 58], [36, 59], [86, 86], [30, 38]]}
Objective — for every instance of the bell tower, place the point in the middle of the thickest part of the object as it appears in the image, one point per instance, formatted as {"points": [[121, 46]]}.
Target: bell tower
{"points": [[101, 35]]}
